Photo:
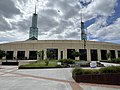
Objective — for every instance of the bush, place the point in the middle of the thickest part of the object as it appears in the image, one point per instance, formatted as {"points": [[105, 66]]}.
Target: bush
{"points": [[67, 61], [46, 62], [75, 54], [84, 71], [108, 55], [2, 53], [90, 71], [113, 60], [116, 60], [110, 69], [77, 71], [59, 66]]}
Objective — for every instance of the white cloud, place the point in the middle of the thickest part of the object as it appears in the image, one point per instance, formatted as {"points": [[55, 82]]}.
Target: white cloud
{"points": [[107, 33], [94, 28], [99, 7], [59, 19], [103, 7]]}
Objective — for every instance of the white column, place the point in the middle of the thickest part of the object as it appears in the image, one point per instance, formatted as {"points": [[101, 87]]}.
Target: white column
{"points": [[99, 54], [59, 54], [116, 53], [15, 54], [45, 56], [65, 54], [27, 54], [88, 55], [77, 58], [108, 51]]}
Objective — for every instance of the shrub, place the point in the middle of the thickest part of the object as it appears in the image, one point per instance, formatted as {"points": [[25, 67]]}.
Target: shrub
{"points": [[90, 71], [79, 71], [2, 53], [108, 55], [40, 55], [59, 66], [46, 62], [75, 54], [115, 60], [110, 69], [118, 60], [109, 61], [67, 61]]}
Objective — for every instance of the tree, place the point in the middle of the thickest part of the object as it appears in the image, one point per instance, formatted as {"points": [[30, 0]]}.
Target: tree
{"points": [[40, 54], [46, 62], [76, 54], [49, 54], [2, 53], [108, 55]]}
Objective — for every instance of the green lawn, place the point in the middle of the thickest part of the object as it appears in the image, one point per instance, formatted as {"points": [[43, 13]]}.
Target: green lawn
{"points": [[42, 64], [52, 63]]}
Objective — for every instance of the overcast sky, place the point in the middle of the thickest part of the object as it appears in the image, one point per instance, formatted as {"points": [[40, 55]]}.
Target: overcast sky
{"points": [[60, 19]]}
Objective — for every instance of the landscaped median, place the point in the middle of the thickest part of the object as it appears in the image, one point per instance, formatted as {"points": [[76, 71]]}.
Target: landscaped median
{"points": [[63, 63], [40, 64], [48, 64], [105, 75]]}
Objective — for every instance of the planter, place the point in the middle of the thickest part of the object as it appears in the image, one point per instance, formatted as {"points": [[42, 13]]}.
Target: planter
{"points": [[112, 79]]}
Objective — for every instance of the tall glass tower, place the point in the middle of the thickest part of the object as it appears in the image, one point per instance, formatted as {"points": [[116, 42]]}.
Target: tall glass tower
{"points": [[33, 34], [83, 33]]}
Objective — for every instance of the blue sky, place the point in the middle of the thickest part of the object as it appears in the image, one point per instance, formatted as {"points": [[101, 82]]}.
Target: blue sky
{"points": [[60, 19], [110, 19]]}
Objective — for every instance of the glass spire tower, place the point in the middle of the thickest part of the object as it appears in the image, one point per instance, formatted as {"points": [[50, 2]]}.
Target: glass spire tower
{"points": [[83, 33], [33, 34]]}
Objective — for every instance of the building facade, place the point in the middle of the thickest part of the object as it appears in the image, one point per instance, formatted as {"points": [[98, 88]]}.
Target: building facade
{"points": [[61, 49]]}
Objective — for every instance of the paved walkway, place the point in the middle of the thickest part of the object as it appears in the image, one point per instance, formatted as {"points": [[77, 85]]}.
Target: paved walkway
{"points": [[109, 64], [12, 78]]}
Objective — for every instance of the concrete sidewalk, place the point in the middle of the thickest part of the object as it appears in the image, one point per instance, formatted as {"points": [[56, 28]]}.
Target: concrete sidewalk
{"points": [[44, 79], [109, 64]]}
